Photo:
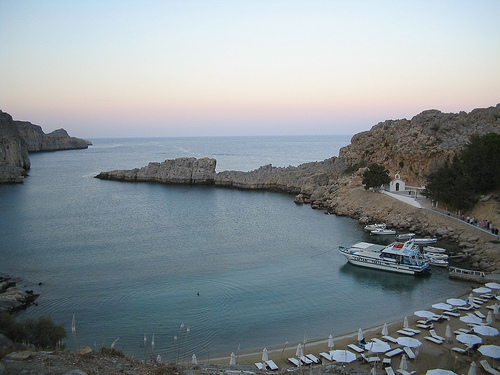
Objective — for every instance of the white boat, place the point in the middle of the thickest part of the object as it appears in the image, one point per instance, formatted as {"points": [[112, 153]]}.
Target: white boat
{"points": [[381, 231], [405, 236], [436, 255], [433, 249], [397, 257], [371, 227], [435, 260], [422, 241]]}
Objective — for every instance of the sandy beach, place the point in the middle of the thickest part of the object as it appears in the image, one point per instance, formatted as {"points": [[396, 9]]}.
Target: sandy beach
{"points": [[428, 356]]}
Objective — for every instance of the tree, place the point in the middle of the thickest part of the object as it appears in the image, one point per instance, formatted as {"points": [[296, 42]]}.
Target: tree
{"points": [[375, 176]]}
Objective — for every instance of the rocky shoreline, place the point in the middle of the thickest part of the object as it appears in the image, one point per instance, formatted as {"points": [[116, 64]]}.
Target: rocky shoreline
{"points": [[13, 299]]}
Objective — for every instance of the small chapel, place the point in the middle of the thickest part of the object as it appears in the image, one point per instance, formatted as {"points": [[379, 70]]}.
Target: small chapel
{"points": [[396, 184]]}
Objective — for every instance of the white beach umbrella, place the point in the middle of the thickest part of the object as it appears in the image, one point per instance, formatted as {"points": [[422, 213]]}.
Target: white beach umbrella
{"points": [[299, 352], [232, 360], [443, 306], [472, 369], [439, 371], [425, 314], [456, 302], [378, 346], [492, 285], [472, 319], [194, 361], [469, 339], [485, 330], [489, 318], [331, 343], [409, 342], [265, 356], [447, 333], [404, 363], [373, 371], [492, 351], [405, 322], [343, 356], [385, 330], [495, 308], [481, 290], [361, 336]]}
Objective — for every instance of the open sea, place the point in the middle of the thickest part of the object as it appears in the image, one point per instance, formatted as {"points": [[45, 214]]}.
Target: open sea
{"points": [[241, 269]]}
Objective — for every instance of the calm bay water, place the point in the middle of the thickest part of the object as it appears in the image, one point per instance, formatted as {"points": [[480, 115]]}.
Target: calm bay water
{"points": [[130, 259]]}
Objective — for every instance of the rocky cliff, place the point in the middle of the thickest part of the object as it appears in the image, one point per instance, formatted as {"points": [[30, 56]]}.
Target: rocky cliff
{"points": [[38, 141], [18, 138], [14, 159], [416, 147]]}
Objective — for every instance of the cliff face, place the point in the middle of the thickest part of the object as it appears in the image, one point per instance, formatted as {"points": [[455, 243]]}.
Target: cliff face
{"points": [[38, 141], [14, 159], [417, 147]]}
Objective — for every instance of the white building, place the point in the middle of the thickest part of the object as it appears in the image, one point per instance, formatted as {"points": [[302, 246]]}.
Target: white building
{"points": [[396, 184]]}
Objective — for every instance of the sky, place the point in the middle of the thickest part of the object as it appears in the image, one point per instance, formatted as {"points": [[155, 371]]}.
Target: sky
{"points": [[145, 68]]}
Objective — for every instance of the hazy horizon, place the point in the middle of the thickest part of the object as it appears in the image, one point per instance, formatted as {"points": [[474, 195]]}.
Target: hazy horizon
{"points": [[126, 69]]}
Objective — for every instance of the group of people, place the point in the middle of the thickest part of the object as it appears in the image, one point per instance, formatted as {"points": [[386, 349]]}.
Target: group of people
{"points": [[485, 224]]}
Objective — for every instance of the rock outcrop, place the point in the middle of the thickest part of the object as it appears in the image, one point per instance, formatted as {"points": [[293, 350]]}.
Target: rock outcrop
{"points": [[12, 299], [14, 159], [176, 171]]}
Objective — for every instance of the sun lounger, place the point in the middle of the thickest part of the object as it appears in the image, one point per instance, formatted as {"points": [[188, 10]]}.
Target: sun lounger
{"points": [[394, 352], [313, 358], [356, 348], [259, 366], [409, 352], [389, 371], [465, 308], [370, 359], [402, 372], [390, 338], [487, 296], [326, 356], [415, 331], [433, 339], [451, 313], [294, 361], [460, 350], [480, 314], [305, 360], [273, 366], [387, 361], [435, 335], [487, 367], [425, 326], [406, 333], [465, 330]]}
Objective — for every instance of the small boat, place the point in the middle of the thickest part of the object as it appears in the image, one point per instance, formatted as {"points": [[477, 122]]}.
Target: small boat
{"points": [[371, 227], [405, 236], [397, 257], [422, 241], [436, 255], [381, 231], [434, 260], [433, 249]]}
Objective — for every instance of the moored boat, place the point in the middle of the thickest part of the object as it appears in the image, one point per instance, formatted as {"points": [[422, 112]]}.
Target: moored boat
{"points": [[375, 226], [405, 236], [433, 249], [436, 260], [397, 257], [423, 241], [381, 231]]}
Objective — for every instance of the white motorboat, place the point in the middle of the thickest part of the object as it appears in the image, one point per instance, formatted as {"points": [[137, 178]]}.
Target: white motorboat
{"points": [[436, 255], [405, 236], [433, 249], [422, 241], [397, 257], [435, 260], [371, 227], [381, 231]]}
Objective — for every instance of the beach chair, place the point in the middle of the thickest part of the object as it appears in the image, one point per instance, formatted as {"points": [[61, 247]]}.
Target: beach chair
{"points": [[426, 326], [435, 335], [406, 333], [415, 331], [387, 361], [313, 358], [394, 352], [389, 371], [465, 308], [370, 359], [259, 366], [402, 372], [465, 330], [434, 340], [460, 350], [480, 314], [273, 366], [356, 348], [409, 353], [305, 360], [487, 367], [293, 361], [390, 338], [451, 313], [326, 356]]}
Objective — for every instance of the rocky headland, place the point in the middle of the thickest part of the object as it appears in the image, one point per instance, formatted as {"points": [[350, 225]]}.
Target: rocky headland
{"points": [[18, 138], [412, 148], [12, 299]]}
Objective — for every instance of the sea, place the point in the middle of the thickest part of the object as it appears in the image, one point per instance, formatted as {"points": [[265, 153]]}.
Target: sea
{"points": [[177, 270]]}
